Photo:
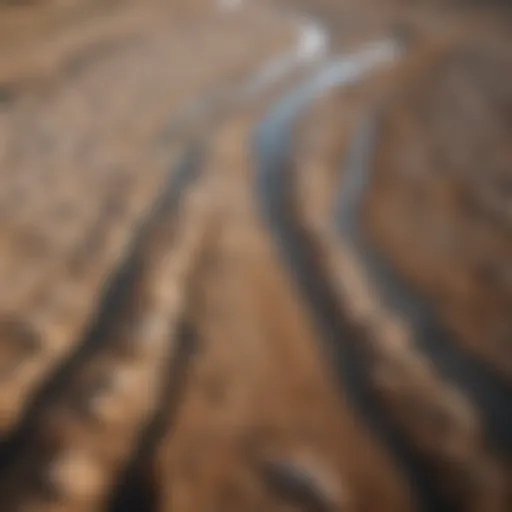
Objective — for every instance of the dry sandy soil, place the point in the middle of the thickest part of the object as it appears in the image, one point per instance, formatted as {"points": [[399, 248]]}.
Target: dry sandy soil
{"points": [[155, 352]]}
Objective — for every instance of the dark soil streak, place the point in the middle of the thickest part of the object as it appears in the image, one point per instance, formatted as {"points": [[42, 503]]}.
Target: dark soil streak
{"points": [[274, 186], [137, 490], [492, 396], [112, 307]]}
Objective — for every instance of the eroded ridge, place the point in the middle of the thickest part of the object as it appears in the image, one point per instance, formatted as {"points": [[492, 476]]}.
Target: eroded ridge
{"points": [[449, 402], [86, 432]]}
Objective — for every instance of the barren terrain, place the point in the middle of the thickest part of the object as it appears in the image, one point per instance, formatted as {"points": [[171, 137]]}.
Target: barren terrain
{"points": [[205, 307]]}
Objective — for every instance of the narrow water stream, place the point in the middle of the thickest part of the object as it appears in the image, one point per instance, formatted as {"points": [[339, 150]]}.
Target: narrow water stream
{"points": [[492, 396], [274, 187]]}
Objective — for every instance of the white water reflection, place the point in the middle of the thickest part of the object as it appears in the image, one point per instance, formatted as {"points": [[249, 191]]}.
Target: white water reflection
{"points": [[229, 5], [352, 67], [313, 41], [274, 133], [312, 44]]}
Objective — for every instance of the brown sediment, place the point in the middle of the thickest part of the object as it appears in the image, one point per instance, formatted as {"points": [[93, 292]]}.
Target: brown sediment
{"points": [[441, 191], [260, 384], [81, 163], [425, 405], [88, 430], [255, 421]]}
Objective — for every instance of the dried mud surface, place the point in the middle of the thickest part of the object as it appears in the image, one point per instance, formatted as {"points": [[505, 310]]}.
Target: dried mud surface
{"points": [[436, 209], [156, 352]]}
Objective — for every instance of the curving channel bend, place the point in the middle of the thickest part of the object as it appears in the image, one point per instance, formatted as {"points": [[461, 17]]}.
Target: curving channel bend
{"points": [[274, 183], [492, 396]]}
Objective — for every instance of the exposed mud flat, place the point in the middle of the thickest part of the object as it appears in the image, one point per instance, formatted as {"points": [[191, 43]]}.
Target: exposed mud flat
{"points": [[436, 156], [159, 350]]}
